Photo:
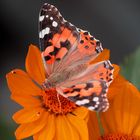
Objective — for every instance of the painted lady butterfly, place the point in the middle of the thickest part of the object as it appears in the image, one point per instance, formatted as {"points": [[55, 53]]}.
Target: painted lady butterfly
{"points": [[67, 52]]}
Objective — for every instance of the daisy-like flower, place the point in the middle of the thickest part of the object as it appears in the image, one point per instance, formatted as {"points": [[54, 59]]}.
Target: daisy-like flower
{"points": [[41, 116], [122, 120]]}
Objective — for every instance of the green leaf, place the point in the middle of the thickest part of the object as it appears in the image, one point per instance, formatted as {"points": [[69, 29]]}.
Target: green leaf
{"points": [[130, 68]]}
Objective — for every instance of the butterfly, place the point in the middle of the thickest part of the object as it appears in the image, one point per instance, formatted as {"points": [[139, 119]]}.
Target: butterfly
{"points": [[67, 52]]}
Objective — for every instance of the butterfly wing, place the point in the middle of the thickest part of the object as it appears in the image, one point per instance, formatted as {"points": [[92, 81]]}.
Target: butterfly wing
{"points": [[91, 94], [99, 71], [62, 43], [56, 35], [89, 87]]}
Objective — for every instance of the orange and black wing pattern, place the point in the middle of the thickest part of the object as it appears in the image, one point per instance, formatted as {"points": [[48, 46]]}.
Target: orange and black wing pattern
{"points": [[89, 88], [91, 94], [56, 35]]}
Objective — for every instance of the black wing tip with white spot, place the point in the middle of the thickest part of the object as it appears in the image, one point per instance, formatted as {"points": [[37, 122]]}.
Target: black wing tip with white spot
{"points": [[51, 22], [52, 10], [47, 6]]}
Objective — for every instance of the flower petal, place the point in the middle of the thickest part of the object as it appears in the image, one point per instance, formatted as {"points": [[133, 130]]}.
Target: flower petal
{"points": [[29, 129], [80, 125], [116, 86], [123, 114], [34, 64], [104, 55], [20, 83], [48, 132], [81, 112], [64, 129], [26, 101], [28, 115], [93, 126], [116, 70]]}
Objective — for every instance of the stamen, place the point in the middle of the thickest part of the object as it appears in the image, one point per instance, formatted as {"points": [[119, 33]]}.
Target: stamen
{"points": [[56, 103], [59, 101]]}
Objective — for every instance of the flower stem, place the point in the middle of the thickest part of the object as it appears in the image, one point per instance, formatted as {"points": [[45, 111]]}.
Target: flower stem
{"points": [[100, 124]]}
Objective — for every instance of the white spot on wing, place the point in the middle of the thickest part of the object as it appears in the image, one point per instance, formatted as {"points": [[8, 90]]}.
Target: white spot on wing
{"points": [[97, 103], [54, 24], [96, 106], [41, 18], [40, 34], [82, 102], [51, 18], [95, 99], [91, 108], [44, 32]]}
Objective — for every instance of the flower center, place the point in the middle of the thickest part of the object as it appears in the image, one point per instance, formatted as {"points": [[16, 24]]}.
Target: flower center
{"points": [[119, 137], [56, 103]]}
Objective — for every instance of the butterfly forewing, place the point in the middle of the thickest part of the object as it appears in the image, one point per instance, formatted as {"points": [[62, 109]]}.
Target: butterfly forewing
{"points": [[57, 36]]}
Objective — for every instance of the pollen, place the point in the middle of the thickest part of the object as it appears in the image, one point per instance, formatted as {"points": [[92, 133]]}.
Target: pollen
{"points": [[119, 137], [56, 103]]}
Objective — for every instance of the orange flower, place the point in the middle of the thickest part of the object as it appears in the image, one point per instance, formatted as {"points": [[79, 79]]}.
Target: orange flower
{"points": [[41, 116], [122, 120]]}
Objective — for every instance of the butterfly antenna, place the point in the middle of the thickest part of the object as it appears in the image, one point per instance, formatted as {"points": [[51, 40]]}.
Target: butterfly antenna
{"points": [[60, 107]]}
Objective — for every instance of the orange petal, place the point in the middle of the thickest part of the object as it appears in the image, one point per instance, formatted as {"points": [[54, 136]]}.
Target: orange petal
{"points": [[27, 101], [28, 115], [115, 86], [19, 83], [93, 126], [64, 129], [35, 137], [34, 64], [48, 132], [80, 125], [104, 55], [29, 129], [116, 70], [123, 114], [81, 112]]}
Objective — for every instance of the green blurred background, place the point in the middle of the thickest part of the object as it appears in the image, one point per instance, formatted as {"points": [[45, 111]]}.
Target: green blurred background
{"points": [[114, 23]]}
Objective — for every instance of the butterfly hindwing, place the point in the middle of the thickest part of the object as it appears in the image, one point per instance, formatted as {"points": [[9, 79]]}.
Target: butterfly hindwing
{"points": [[90, 85], [91, 94], [98, 71]]}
